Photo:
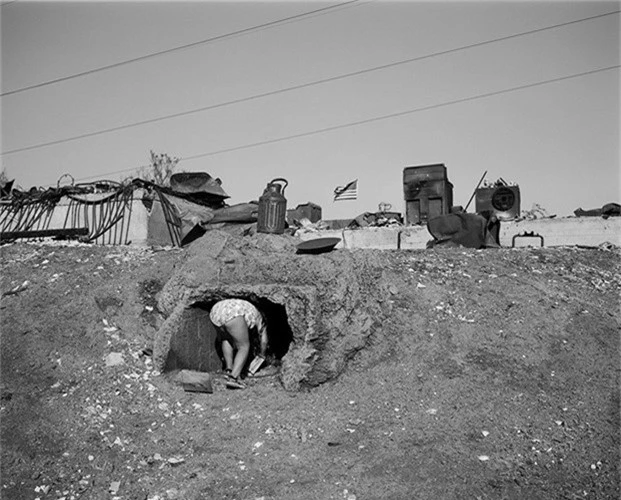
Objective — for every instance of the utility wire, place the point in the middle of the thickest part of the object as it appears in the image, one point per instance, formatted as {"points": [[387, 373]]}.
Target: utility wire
{"points": [[298, 87], [398, 114], [377, 118], [180, 47]]}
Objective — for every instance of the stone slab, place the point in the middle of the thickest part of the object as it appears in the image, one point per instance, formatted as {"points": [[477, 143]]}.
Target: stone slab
{"points": [[414, 238], [380, 238]]}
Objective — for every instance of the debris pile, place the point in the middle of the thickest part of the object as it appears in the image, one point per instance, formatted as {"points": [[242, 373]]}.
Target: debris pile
{"points": [[305, 226], [500, 182], [608, 210], [536, 212], [377, 219]]}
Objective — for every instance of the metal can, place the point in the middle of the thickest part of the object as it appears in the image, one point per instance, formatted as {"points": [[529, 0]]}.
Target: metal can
{"points": [[272, 212]]}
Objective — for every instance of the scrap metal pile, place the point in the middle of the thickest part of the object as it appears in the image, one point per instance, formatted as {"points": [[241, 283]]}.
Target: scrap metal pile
{"points": [[101, 212], [93, 209]]}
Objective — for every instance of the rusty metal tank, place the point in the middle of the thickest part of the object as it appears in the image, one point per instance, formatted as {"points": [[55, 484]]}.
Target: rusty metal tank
{"points": [[427, 191]]}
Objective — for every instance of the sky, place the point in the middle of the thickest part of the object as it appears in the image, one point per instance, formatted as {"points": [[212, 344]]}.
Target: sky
{"points": [[318, 93]]}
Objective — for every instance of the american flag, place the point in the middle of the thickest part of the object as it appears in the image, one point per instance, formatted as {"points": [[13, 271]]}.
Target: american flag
{"points": [[347, 192]]}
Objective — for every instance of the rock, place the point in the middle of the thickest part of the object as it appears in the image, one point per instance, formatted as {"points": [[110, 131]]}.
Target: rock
{"points": [[194, 381], [115, 359]]}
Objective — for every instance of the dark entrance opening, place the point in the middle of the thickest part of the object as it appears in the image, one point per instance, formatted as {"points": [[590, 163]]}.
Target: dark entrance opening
{"points": [[194, 343]]}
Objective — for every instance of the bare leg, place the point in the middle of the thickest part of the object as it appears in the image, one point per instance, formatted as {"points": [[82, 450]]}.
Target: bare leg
{"points": [[238, 330], [227, 352]]}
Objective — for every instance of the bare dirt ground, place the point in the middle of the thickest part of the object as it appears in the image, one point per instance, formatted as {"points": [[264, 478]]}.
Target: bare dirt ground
{"points": [[495, 377]]}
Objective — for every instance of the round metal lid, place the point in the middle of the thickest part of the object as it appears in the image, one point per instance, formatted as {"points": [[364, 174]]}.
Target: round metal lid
{"points": [[318, 245]]}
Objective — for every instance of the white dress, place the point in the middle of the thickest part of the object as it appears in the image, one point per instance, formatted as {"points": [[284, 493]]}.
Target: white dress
{"points": [[225, 310]]}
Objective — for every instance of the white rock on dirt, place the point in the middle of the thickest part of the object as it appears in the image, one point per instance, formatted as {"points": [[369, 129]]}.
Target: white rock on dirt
{"points": [[115, 359]]}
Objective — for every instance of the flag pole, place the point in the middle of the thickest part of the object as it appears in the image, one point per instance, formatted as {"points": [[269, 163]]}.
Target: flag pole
{"points": [[475, 191]]}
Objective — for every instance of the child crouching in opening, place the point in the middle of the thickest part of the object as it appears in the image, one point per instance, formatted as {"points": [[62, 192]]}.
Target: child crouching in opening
{"points": [[234, 319]]}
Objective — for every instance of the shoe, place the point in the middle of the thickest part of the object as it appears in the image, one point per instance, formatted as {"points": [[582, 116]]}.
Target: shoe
{"points": [[234, 383]]}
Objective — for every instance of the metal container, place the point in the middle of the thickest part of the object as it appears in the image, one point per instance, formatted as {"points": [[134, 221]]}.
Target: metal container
{"points": [[310, 211], [501, 201], [427, 192], [272, 212]]}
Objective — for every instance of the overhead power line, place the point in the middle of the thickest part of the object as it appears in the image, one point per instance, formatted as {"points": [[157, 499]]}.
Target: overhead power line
{"points": [[232, 34], [398, 114], [376, 118], [298, 87]]}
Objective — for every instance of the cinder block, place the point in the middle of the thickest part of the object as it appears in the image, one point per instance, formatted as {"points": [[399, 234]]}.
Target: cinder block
{"points": [[414, 238], [588, 231], [380, 238]]}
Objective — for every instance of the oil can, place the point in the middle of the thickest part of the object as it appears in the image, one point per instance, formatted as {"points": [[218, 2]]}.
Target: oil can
{"points": [[273, 208]]}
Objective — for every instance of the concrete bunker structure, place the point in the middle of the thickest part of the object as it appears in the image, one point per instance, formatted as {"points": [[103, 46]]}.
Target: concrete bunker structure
{"points": [[188, 338], [321, 309]]}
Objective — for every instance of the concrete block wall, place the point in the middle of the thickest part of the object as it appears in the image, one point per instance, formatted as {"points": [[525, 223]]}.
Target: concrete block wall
{"points": [[587, 231], [414, 238], [372, 237], [380, 238]]}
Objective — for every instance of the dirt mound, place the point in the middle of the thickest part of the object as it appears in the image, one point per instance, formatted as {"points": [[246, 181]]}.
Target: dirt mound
{"points": [[442, 374], [331, 302]]}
